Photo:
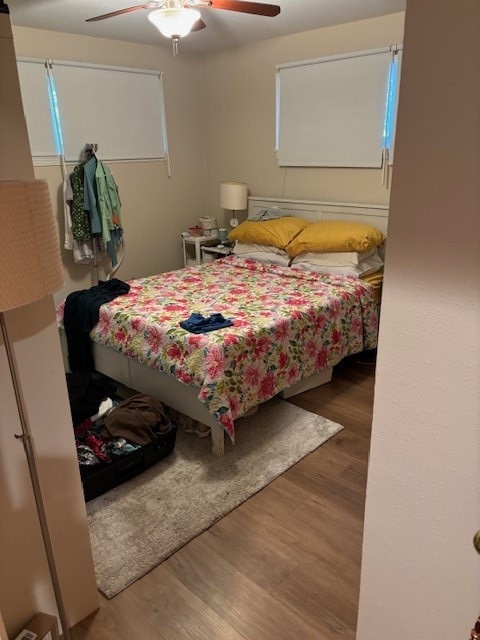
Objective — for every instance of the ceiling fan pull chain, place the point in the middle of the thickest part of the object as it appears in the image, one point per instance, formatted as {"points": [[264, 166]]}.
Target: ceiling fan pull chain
{"points": [[175, 46]]}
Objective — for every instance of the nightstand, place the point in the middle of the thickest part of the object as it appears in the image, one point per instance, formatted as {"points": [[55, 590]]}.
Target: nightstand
{"points": [[197, 242], [215, 252]]}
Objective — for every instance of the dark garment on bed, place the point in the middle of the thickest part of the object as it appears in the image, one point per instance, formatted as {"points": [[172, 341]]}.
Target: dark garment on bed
{"points": [[197, 323], [139, 419], [81, 313]]}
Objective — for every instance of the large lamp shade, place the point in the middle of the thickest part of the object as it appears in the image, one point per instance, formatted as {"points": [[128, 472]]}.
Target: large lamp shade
{"points": [[234, 196], [30, 264]]}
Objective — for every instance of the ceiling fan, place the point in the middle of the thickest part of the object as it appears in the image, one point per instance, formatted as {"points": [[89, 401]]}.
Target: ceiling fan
{"points": [[177, 18]]}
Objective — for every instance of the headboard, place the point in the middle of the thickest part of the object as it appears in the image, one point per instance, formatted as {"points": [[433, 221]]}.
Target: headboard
{"points": [[374, 214]]}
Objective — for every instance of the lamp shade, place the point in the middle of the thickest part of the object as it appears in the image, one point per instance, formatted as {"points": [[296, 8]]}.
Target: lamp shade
{"points": [[30, 264], [174, 22], [233, 195]]}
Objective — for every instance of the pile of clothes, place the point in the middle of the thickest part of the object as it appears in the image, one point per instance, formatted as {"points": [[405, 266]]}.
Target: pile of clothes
{"points": [[107, 427]]}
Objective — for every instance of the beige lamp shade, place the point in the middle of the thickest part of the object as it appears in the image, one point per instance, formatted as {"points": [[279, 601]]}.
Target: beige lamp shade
{"points": [[30, 264], [234, 196]]}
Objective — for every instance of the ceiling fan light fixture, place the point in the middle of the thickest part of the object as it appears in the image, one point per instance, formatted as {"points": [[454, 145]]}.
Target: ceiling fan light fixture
{"points": [[174, 22]]}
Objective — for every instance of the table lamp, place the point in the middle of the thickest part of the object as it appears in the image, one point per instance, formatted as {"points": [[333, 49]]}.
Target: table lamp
{"points": [[234, 196], [31, 269]]}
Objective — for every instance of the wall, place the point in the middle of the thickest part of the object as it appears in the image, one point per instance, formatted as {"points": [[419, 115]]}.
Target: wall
{"points": [[239, 105], [155, 208], [420, 573], [25, 585], [220, 116]]}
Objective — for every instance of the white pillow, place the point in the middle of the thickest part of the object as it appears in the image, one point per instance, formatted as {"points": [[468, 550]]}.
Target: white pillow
{"points": [[242, 248], [268, 257], [365, 267], [334, 259]]}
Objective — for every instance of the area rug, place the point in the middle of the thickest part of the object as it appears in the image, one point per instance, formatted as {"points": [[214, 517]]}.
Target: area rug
{"points": [[137, 525]]}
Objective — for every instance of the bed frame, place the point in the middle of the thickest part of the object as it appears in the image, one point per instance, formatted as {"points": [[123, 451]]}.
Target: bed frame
{"points": [[313, 211], [184, 398]]}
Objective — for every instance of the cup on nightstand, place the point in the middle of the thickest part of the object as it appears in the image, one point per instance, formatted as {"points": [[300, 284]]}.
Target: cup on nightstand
{"points": [[222, 235]]}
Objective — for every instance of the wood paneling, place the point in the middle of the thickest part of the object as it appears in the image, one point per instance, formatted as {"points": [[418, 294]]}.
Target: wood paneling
{"points": [[285, 564]]}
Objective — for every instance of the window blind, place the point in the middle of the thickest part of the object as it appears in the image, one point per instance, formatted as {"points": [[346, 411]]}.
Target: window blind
{"points": [[120, 109], [331, 111]]}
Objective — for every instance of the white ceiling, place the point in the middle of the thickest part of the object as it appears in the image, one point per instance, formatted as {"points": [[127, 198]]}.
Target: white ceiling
{"points": [[224, 28]]}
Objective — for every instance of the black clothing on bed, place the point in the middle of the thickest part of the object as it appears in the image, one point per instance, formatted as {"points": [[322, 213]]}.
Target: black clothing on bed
{"points": [[80, 315]]}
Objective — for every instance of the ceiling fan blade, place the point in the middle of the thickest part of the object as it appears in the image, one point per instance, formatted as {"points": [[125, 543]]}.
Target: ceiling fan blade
{"points": [[148, 5], [199, 24], [257, 8]]}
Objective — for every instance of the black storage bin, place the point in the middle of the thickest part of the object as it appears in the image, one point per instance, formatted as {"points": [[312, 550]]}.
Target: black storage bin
{"points": [[102, 477]]}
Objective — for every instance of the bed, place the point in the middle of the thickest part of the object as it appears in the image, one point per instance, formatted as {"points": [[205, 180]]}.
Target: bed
{"points": [[290, 327]]}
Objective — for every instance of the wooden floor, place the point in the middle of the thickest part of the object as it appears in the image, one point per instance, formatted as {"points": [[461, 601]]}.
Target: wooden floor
{"points": [[285, 564]]}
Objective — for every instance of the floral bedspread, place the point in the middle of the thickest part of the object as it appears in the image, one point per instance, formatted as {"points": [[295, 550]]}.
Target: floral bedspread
{"points": [[287, 324]]}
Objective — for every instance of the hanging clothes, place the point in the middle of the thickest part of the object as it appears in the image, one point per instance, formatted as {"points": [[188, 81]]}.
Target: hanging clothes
{"points": [[109, 206], [92, 211], [90, 196], [80, 220], [83, 251]]}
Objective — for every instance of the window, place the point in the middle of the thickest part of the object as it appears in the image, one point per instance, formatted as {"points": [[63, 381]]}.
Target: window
{"points": [[120, 109], [331, 112]]}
